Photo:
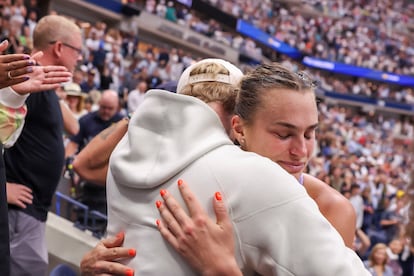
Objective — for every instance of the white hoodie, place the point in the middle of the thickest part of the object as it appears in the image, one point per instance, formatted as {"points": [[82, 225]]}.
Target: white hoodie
{"points": [[278, 228]]}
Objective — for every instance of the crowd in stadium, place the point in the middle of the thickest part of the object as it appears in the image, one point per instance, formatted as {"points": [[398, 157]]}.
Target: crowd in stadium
{"points": [[362, 154]]}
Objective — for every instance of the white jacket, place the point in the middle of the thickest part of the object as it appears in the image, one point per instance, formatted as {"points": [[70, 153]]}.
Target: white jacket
{"points": [[278, 228]]}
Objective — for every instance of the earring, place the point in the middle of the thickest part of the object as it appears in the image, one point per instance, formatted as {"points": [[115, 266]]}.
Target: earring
{"points": [[242, 141]]}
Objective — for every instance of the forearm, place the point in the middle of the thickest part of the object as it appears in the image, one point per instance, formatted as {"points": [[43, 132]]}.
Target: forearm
{"points": [[92, 162], [70, 123], [101, 146], [71, 149], [96, 175]]}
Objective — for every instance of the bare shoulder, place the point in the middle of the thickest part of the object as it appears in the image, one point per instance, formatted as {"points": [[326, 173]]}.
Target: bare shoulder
{"points": [[336, 208], [326, 197]]}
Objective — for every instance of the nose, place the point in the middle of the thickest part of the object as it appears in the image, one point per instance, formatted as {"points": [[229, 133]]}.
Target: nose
{"points": [[298, 147]]}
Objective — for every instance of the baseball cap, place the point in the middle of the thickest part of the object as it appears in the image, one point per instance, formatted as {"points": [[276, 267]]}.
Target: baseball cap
{"points": [[233, 78]]}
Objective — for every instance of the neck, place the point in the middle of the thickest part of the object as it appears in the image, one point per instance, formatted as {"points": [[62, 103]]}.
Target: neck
{"points": [[223, 115]]}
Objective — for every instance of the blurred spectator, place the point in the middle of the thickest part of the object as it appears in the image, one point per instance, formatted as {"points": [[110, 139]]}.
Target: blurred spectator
{"points": [[89, 84], [75, 99], [357, 202], [394, 250], [377, 262], [171, 13], [136, 96]]}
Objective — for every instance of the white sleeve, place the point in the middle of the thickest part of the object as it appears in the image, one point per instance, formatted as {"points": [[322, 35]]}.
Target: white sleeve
{"points": [[10, 98]]}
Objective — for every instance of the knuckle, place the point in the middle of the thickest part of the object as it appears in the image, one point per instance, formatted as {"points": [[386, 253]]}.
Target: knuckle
{"points": [[110, 267], [200, 220], [182, 239], [114, 252], [174, 208], [188, 229], [188, 197]]}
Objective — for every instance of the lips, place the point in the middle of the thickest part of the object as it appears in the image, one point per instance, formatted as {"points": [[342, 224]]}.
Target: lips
{"points": [[292, 167]]}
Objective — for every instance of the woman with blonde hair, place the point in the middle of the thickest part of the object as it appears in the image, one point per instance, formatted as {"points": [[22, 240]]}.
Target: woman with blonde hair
{"points": [[75, 99], [377, 263]]}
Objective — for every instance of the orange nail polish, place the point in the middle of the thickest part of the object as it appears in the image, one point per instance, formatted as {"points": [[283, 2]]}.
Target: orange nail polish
{"points": [[180, 182], [218, 196], [163, 192], [129, 272], [158, 222], [158, 204], [119, 235], [132, 252]]}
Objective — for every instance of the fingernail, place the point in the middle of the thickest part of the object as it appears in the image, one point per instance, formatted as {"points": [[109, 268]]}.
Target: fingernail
{"points": [[132, 252], [129, 272], [218, 196], [119, 235], [26, 78], [25, 57], [4, 41], [163, 192], [158, 204], [180, 182], [30, 62], [158, 222], [29, 69]]}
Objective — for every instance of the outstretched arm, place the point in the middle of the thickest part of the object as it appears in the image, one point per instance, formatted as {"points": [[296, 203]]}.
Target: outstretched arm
{"points": [[70, 122], [43, 78], [92, 161], [207, 245], [21, 73]]}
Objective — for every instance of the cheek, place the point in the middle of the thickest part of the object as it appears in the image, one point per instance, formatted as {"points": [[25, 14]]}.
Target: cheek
{"points": [[267, 145], [310, 146]]}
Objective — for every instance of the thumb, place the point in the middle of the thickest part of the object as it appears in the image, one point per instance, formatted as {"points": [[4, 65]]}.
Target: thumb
{"points": [[116, 241], [220, 210], [37, 55], [3, 45]]}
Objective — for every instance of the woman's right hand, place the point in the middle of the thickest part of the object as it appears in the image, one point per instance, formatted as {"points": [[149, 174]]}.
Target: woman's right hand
{"points": [[207, 245]]}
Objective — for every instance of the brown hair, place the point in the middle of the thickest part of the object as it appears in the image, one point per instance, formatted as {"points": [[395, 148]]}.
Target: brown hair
{"points": [[265, 77]]}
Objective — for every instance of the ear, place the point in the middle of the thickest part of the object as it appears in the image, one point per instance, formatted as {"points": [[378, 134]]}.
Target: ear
{"points": [[238, 129], [57, 49]]}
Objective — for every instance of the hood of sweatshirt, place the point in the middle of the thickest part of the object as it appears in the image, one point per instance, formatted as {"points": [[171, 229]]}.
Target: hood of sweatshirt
{"points": [[165, 135]]}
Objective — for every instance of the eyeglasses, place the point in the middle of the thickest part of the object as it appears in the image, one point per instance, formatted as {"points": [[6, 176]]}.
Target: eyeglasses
{"points": [[78, 50]]}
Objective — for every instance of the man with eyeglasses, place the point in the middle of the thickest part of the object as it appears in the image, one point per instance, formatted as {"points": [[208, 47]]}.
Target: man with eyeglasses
{"points": [[36, 160]]}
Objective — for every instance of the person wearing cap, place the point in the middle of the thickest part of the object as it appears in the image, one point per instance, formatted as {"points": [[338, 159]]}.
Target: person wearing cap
{"points": [[75, 99], [188, 138], [89, 84]]}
